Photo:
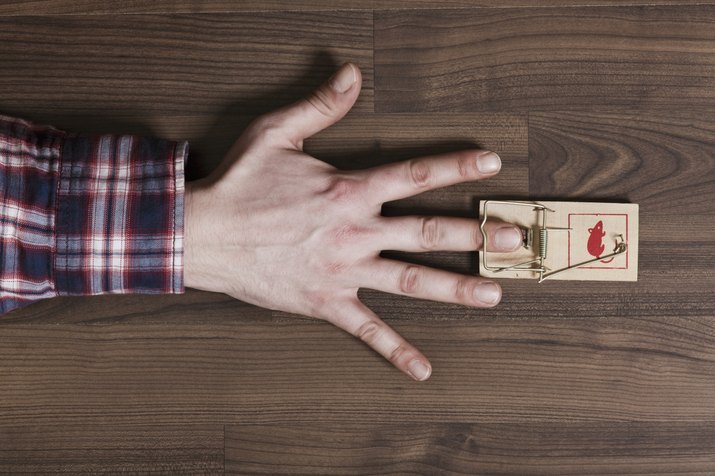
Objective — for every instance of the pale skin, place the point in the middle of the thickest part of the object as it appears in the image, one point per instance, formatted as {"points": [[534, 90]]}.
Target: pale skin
{"points": [[277, 228]]}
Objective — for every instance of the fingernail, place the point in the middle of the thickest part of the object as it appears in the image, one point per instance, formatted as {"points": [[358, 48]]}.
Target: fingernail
{"points": [[488, 163], [488, 293], [507, 238], [344, 78], [419, 370]]}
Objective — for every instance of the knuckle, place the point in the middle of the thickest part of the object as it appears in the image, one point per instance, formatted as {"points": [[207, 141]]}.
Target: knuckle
{"points": [[462, 289], [477, 237], [409, 279], [420, 173], [265, 128], [465, 165], [369, 332], [396, 353], [317, 302], [348, 232], [342, 189], [335, 267], [430, 233], [323, 102]]}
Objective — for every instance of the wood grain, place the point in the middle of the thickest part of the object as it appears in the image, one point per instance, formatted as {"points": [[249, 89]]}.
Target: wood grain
{"points": [[504, 449], [176, 64], [94, 7], [137, 449], [515, 59], [215, 365], [664, 162]]}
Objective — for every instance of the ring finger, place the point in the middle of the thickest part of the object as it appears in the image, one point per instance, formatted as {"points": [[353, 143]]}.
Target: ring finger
{"points": [[422, 282]]}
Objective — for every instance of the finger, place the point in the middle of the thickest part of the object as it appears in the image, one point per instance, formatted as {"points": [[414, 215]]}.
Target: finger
{"points": [[408, 279], [323, 107], [431, 233], [404, 179], [360, 321]]}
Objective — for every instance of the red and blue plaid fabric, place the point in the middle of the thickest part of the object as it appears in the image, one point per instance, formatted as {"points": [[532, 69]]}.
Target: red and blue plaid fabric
{"points": [[88, 214]]}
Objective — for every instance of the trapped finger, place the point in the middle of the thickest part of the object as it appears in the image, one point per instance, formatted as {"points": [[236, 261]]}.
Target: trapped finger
{"points": [[432, 233]]}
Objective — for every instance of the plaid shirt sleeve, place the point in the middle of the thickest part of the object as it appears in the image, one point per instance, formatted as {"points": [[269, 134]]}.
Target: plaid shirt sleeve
{"points": [[88, 214]]}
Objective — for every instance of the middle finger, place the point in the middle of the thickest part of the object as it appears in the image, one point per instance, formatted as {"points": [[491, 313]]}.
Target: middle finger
{"points": [[431, 233]]}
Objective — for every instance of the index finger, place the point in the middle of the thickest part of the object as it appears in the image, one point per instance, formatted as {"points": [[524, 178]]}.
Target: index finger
{"points": [[410, 177]]}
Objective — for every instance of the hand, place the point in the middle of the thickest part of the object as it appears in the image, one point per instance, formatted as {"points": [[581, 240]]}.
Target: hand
{"points": [[277, 228]]}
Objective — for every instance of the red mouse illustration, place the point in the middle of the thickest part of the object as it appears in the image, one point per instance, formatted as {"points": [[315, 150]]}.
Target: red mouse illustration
{"points": [[595, 244]]}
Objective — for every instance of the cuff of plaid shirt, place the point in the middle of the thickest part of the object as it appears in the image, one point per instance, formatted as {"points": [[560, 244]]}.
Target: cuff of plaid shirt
{"points": [[88, 214], [120, 215]]}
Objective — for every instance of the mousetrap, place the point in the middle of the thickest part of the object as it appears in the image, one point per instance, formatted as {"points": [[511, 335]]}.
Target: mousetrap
{"points": [[581, 241]]}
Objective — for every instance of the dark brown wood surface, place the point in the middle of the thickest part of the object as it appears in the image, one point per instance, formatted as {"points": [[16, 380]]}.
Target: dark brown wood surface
{"points": [[545, 58], [84, 7], [533, 448], [612, 101]]}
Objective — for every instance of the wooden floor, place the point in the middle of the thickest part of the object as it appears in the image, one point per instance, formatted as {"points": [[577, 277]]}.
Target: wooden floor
{"points": [[608, 101]]}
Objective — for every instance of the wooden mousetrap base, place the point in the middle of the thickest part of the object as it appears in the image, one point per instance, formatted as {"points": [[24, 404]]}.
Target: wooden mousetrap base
{"points": [[581, 241]]}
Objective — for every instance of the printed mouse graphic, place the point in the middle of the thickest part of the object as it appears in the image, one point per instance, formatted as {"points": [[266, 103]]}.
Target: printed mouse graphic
{"points": [[595, 244]]}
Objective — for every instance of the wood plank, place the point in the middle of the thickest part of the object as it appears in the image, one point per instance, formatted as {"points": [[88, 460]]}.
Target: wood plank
{"points": [[558, 448], [516, 59], [94, 7], [139, 449], [176, 64], [665, 162], [284, 369]]}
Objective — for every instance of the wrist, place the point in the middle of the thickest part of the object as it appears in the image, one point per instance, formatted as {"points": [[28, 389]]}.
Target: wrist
{"points": [[189, 237], [197, 236]]}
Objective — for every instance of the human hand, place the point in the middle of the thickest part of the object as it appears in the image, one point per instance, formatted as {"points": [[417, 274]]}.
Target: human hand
{"points": [[275, 227]]}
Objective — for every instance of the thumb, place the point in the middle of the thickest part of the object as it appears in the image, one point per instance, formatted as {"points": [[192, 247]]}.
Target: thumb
{"points": [[323, 107]]}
